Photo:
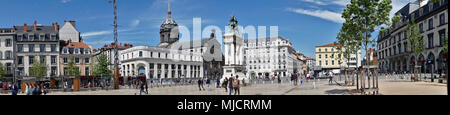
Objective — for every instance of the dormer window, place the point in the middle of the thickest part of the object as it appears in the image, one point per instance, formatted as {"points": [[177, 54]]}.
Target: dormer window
{"points": [[53, 37], [65, 50], [430, 6], [76, 50], [19, 37], [420, 11], [31, 37], [41, 37]]}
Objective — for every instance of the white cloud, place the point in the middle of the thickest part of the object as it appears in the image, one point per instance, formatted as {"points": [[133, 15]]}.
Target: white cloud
{"points": [[328, 2], [341, 2], [324, 14], [65, 1], [96, 33], [134, 23], [318, 2], [104, 32]]}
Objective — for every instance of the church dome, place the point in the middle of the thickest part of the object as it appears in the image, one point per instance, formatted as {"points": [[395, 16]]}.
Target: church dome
{"points": [[168, 23]]}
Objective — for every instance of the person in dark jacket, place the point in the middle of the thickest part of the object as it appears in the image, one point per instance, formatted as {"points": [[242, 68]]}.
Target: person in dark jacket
{"points": [[225, 83], [230, 85], [14, 89]]}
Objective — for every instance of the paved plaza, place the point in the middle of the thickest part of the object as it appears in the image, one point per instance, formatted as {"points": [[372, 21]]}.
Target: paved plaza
{"points": [[387, 87]]}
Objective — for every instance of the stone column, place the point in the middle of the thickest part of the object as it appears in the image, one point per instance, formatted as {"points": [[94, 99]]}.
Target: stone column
{"points": [[176, 71], [169, 74], [162, 70], [202, 72], [155, 70]]}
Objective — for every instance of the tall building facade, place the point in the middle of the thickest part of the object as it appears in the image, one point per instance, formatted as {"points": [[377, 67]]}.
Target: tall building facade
{"points": [[37, 43], [266, 57], [393, 51], [329, 58], [7, 50]]}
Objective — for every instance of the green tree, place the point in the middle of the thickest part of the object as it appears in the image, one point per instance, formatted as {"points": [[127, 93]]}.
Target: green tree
{"points": [[362, 17], [39, 69], [446, 41], [101, 67], [72, 70], [415, 39], [2, 71]]}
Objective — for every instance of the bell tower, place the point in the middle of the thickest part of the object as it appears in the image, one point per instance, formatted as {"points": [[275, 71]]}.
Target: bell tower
{"points": [[169, 28]]}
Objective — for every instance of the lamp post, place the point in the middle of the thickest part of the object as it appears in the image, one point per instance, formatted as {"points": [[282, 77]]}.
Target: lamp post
{"points": [[116, 53]]}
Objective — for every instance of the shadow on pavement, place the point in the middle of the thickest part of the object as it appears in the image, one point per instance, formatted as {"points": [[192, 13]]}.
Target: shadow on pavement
{"points": [[337, 91]]}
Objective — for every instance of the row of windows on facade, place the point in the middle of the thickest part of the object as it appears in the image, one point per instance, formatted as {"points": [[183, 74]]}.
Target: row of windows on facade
{"points": [[52, 60], [264, 61], [267, 51], [8, 42], [405, 36], [35, 37], [86, 70], [31, 48], [326, 56], [166, 66], [52, 70], [76, 60], [8, 55], [266, 43], [326, 50], [397, 49], [326, 62], [166, 55], [70, 50], [268, 67], [20, 59]]}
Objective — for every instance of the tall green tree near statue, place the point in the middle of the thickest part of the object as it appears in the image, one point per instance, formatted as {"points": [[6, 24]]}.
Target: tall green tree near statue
{"points": [[362, 17]]}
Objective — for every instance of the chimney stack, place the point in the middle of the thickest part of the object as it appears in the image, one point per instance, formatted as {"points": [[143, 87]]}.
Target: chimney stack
{"points": [[35, 25], [56, 26], [25, 27], [73, 23]]}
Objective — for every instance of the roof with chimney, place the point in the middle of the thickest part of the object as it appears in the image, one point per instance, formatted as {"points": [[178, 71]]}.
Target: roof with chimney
{"points": [[37, 28], [112, 45]]}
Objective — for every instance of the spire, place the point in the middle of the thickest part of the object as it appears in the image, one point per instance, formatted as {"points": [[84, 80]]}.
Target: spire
{"points": [[169, 11]]}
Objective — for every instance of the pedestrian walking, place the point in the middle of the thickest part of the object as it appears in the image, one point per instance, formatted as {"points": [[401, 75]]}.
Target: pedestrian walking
{"points": [[279, 80], [27, 88], [14, 89], [208, 82], [236, 85], [225, 83], [146, 88], [142, 88], [230, 85], [200, 84], [217, 83]]}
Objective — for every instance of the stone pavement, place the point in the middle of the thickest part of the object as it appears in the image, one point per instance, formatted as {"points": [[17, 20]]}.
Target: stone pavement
{"points": [[387, 87]]}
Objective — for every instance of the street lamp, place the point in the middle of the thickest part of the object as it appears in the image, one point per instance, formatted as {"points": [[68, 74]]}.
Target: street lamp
{"points": [[116, 53]]}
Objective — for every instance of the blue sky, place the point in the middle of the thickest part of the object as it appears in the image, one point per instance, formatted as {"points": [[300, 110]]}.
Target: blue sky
{"points": [[306, 23]]}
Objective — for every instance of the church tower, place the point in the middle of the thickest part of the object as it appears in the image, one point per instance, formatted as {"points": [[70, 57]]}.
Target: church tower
{"points": [[169, 30]]}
